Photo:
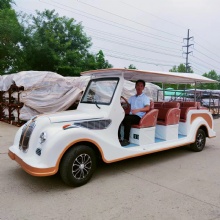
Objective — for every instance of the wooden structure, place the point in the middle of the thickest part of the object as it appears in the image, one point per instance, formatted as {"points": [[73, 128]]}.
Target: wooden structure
{"points": [[10, 105]]}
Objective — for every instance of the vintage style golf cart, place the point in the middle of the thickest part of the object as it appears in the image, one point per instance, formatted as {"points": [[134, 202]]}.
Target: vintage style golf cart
{"points": [[71, 142]]}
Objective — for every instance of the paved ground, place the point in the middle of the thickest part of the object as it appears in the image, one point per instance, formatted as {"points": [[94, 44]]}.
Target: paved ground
{"points": [[175, 184]]}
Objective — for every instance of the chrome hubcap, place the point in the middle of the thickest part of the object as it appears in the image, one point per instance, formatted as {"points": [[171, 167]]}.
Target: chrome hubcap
{"points": [[81, 166], [200, 141]]}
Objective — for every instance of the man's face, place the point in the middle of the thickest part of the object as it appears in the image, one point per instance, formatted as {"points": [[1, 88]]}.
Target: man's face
{"points": [[139, 88]]}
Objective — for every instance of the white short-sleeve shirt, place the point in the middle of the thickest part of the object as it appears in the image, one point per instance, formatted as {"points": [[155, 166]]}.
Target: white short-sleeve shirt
{"points": [[139, 101]]}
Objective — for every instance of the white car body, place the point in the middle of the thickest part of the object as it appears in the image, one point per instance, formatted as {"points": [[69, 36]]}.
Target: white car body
{"points": [[41, 143]]}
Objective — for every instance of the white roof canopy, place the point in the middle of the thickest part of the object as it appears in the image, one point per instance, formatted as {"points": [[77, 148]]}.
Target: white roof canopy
{"points": [[152, 76]]}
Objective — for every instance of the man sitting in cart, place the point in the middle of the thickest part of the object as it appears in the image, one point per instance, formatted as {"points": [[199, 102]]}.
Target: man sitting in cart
{"points": [[139, 104]]}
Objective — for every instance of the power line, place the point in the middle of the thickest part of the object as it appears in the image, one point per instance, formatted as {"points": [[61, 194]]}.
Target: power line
{"points": [[198, 70], [214, 46], [113, 24], [202, 65], [127, 28], [199, 65], [193, 64], [127, 19], [207, 49], [140, 48], [132, 56], [129, 39], [136, 60], [206, 63], [187, 64], [206, 55], [153, 15], [194, 69], [133, 46]]}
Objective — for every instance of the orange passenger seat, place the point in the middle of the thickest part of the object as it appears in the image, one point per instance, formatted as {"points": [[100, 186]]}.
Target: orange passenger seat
{"points": [[149, 119], [169, 113]]}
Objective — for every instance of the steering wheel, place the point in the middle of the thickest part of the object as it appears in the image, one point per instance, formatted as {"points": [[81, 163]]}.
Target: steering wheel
{"points": [[125, 105]]}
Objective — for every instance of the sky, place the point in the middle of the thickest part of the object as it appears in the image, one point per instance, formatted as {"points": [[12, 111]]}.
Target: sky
{"points": [[146, 33]]}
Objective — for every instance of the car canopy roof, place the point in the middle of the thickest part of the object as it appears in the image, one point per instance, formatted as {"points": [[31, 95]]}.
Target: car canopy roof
{"points": [[152, 76]]}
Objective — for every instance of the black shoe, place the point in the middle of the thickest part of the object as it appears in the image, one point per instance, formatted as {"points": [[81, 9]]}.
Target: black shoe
{"points": [[125, 142]]}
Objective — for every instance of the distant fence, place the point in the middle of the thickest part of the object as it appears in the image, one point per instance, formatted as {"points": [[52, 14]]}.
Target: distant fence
{"points": [[207, 98]]}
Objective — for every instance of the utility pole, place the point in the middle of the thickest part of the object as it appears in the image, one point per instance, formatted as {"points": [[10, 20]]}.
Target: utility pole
{"points": [[187, 50]]}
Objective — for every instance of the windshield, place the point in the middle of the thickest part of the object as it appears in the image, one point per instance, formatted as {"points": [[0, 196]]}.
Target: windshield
{"points": [[100, 91]]}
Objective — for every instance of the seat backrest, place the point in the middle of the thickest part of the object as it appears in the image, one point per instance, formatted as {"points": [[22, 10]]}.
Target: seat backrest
{"points": [[149, 119], [158, 105], [185, 107], [169, 114], [171, 105], [189, 104]]}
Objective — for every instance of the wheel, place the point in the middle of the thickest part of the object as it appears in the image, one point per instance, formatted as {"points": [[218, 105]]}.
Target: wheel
{"points": [[78, 165], [199, 143], [125, 105]]}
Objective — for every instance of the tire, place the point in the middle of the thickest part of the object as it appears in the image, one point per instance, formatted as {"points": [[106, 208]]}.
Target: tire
{"points": [[199, 143], [78, 165]]}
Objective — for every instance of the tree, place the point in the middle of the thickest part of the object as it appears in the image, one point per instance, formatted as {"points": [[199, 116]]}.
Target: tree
{"points": [[132, 67], [56, 44], [59, 44], [94, 61], [5, 4], [10, 37], [101, 63], [211, 75], [45, 42], [180, 69]]}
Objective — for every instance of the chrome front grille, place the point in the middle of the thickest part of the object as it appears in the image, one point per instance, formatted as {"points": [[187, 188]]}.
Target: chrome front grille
{"points": [[95, 124], [25, 135]]}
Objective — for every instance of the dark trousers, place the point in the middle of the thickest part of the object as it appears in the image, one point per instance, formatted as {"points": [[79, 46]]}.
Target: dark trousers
{"points": [[128, 121]]}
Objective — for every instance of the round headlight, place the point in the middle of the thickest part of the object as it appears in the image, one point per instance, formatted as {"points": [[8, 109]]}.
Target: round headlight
{"points": [[43, 137]]}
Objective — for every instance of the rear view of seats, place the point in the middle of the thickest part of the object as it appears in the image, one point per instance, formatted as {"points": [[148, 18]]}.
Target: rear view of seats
{"points": [[167, 120], [164, 120], [169, 113], [185, 107]]}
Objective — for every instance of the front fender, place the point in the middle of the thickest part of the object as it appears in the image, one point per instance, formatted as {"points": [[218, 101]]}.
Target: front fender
{"points": [[196, 124], [53, 151]]}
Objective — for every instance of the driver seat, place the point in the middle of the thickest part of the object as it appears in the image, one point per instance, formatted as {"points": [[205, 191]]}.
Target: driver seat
{"points": [[149, 119]]}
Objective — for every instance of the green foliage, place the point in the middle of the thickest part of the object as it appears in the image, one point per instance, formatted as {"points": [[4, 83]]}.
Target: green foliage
{"points": [[132, 67], [45, 42], [10, 41], [101, 63], [55, 44], [5, 4], [59, 44], [211, 75], [96, 61], [180, 69]]}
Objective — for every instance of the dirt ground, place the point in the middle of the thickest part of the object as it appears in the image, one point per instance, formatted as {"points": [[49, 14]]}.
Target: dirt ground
{"points": [[172, 185]]}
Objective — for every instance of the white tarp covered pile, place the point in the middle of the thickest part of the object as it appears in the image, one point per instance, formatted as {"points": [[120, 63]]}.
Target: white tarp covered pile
{"points": [[47, 92]]}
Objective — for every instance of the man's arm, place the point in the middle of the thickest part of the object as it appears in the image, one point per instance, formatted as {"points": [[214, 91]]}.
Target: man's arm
{"points": [[145, 109]]}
